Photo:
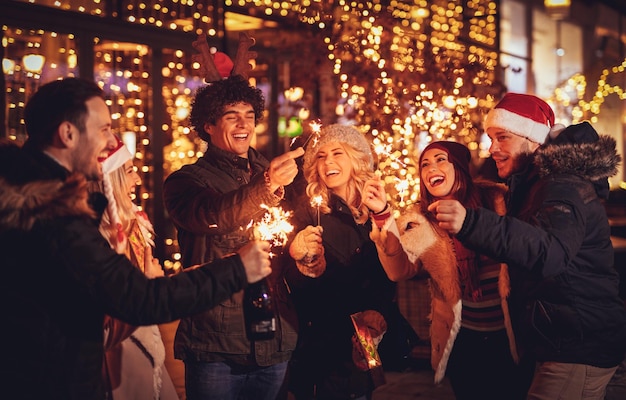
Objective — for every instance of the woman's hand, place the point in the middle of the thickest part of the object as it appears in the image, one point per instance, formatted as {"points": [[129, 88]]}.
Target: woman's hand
{"points": [[307, 243], [374, 195]]}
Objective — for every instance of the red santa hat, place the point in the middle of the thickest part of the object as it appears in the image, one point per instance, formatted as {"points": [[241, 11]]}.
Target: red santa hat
{"points": [[524, 115], [115, 158]]}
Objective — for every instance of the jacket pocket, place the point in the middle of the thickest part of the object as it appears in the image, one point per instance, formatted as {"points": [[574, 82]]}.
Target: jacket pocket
{"points": [[554, 323]]}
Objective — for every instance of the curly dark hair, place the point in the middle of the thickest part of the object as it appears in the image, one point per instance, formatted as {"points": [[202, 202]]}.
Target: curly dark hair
{"points": [[210, 101]]}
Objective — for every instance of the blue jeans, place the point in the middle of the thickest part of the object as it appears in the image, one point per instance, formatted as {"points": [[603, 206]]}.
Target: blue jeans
{"points": [[223, 381]]}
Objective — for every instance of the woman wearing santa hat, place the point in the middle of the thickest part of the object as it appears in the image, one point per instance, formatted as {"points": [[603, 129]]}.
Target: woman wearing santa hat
{"points": [[134, 356]]}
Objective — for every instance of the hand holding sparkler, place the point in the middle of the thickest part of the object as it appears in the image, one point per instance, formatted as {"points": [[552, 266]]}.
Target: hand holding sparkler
{"points": [[308, 251], [283, 169], [255, 256]]}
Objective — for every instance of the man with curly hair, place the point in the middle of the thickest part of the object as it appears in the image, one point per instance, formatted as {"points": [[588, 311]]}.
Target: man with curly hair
{"points": [[211, 202]]}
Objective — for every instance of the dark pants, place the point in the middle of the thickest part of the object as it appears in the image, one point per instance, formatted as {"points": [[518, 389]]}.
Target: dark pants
{"points": [[481, 367]]}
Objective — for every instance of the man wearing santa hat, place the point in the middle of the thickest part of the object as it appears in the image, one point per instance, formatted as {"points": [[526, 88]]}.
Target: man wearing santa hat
{"points": [[556, 240]]}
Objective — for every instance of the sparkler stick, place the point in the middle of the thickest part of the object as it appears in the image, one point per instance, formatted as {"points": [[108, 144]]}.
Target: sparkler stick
{"points": [[316, 201]]}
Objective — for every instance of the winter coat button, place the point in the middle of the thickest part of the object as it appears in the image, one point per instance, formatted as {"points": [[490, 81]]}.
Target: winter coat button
{"points": [[239, 179], [358, 250]]}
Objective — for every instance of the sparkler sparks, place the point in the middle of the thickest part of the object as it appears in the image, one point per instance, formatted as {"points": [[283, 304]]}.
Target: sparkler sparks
{"points": [[274, 226], [316, 126]]}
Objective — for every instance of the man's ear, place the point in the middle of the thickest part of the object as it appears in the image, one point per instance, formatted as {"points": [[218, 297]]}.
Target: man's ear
{"points": [[67, 135], [207, 128]]}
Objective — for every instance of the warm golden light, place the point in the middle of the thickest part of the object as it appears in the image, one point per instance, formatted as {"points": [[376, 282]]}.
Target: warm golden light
{"points": [[33, 63]]}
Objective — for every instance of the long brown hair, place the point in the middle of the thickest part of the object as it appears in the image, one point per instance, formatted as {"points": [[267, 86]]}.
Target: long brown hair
{"points": [[464, 190]]}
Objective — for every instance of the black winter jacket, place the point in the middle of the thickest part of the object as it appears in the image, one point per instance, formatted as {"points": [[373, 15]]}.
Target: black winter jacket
{"points": [[556, 239], [60, 277], [354, 281], [211, 203]]}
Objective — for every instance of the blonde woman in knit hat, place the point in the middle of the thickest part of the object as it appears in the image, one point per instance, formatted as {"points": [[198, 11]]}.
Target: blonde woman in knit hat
{"points": [[337, 272], [134, 356], [564, 300]]}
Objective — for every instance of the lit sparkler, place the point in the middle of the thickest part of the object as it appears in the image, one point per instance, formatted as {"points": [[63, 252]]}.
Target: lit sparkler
{"points": [[274, 226], [316, 126], [316, 201]]}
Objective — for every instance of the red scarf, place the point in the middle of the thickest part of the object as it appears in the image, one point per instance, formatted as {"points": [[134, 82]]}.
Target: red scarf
{"points": [[467, 262]]}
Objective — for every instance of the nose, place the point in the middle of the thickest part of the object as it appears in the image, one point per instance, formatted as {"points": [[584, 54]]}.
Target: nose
{"points": [[241, 120], [136, 178], [494, 147], [111, 141]]}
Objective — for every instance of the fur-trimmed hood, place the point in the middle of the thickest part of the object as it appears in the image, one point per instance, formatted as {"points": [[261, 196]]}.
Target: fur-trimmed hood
{"points": [[26, 199], [580, 151]]}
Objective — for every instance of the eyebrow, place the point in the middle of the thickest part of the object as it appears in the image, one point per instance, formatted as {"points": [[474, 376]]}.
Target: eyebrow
{"points": [[438, 154], [250, 111], [339, 147]]}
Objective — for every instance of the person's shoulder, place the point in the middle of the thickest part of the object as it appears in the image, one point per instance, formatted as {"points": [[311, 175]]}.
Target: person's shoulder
{"points": [[569, 187], [490, 186], [189, 170], [45, 200]]}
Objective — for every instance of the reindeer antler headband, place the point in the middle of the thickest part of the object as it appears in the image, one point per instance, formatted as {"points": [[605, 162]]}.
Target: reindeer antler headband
{"points": [[218, 66]]}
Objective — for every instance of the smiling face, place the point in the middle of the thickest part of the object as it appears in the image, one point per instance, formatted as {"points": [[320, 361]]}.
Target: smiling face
{"points": [[131, 178], [233, 131], [334, 167], [509, 150], [94, 142], [437, 173]]}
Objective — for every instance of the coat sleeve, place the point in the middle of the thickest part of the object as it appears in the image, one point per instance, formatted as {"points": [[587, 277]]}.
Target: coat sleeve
{"points": [[545, 244], [392, 255], [122, 291], [204, 209]]}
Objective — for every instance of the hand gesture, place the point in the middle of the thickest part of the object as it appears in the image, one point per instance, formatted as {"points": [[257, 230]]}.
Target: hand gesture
{"points": [[374, 196], [255, 256], [283, 169], [450, 214]]}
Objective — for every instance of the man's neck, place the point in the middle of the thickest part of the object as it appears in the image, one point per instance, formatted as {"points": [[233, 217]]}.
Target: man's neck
{"points": [[55, 156]]}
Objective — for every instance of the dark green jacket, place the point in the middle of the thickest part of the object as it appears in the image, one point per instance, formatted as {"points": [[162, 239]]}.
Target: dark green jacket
{"points": [[211, 203]]}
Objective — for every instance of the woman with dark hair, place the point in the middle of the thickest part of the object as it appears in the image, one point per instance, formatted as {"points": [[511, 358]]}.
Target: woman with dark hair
{"points": [[471, 336]]}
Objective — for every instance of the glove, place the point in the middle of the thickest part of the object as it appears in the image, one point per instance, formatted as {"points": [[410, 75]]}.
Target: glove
{"points": [[308, 252]]}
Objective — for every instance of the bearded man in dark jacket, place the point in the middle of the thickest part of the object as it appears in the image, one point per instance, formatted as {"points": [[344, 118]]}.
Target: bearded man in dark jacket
{"points": [[556, 240], [211, 202], [60, 276]]}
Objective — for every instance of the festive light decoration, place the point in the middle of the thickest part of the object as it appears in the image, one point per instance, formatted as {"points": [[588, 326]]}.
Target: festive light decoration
{"points": [[411, 73], [407, 73], [569, 101]]}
